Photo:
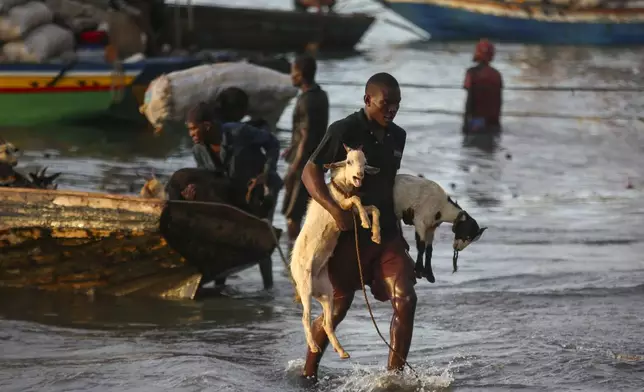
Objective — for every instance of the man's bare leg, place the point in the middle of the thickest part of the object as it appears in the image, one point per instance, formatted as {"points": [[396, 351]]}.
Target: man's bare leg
{"points": [[403, 301], [340, 308]]}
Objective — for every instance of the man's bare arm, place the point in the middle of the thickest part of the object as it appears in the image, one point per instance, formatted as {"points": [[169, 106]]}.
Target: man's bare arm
{"points": [[300, 149]]}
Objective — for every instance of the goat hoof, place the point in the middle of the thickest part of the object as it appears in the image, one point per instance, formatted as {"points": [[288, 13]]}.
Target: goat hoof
{"points": [[344, 355], [376, 239], [314, 348], [431, 279]]}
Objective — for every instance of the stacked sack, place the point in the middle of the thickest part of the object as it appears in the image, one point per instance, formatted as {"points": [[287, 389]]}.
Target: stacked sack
{"points": [[80, 15], [29, 34], [169, 97]]}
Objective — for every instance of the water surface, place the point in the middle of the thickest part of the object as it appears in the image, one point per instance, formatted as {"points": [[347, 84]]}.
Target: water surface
{"points": [[548, 300]]}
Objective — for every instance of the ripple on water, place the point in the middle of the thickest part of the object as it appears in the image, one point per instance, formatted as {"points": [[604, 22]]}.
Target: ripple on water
{"points": [[360, 378]]}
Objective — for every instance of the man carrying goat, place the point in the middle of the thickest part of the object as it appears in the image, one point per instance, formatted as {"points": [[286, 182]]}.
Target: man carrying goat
{"points": [[387, 267]]}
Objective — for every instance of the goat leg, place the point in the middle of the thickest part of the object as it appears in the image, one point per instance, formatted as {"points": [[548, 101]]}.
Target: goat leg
{"points": [[427, 271], [375, 223], [420, 247], [357, 204]]}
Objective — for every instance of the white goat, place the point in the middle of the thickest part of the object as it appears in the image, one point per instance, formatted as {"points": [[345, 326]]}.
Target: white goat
{"points": [[317, 240], [424, 204]]}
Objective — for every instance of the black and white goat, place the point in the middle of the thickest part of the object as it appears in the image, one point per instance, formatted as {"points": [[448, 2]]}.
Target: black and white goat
{"points": [[425, 205]]}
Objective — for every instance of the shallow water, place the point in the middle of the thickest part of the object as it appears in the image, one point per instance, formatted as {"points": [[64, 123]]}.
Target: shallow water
{"points": [[548, 300]]}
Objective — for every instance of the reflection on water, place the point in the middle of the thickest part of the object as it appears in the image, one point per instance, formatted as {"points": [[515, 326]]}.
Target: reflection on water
{"points": [[120, 141], [104, 312], [479, 159]]}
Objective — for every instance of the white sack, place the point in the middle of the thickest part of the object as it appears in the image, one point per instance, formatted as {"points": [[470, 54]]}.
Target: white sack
{"points": [[79, 15], [5, 5], [169, 97], [41, 44], [21, 19]]}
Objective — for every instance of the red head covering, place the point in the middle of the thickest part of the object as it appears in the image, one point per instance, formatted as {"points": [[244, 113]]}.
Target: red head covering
{"points": [[484, 52]]}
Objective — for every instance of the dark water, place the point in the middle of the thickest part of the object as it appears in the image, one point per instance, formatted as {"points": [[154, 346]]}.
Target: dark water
{"points": [[550, 299]]}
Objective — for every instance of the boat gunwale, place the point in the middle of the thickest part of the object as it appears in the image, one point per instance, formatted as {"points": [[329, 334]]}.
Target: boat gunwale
{"points": [[264, 11], [126, 198], [516, 10]]}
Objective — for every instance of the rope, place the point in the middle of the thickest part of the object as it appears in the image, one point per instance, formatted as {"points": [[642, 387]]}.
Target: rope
{"points": [[364, 291], [562, 116], [455, 261], [571, 89], [279, 248]]}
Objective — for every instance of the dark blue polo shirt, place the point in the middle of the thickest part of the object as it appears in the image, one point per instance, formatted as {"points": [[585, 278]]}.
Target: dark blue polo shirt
{"points": [[355, 130]]}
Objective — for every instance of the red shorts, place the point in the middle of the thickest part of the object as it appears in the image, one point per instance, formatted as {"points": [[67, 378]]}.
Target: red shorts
{"points": [[379, 262]]}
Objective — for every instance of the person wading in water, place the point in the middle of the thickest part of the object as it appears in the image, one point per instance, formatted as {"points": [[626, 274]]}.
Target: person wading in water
{"points": [[388, 269], [484, 86], [310, 120], [235, 148]]}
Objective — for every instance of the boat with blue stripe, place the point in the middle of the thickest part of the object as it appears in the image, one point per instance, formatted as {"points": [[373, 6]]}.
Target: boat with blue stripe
{"points": [[554, 22]]}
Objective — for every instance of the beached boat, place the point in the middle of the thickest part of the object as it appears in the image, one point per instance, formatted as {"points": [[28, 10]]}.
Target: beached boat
{"points": [[123, 245], [40, 93], [265, 30], [563, 22]]}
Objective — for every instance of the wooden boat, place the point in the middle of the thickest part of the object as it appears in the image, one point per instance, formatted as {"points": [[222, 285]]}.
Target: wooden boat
{"points": [[265, 30], [558, 22], [123, 245], [32, 94]]}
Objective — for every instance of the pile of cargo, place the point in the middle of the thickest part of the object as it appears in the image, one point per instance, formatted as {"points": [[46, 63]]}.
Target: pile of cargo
{"points": [[169, 97], [28, 33]]}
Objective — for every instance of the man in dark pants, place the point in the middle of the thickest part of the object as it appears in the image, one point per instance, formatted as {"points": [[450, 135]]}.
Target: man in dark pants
{"points": [[387, 267], [310, 120]]}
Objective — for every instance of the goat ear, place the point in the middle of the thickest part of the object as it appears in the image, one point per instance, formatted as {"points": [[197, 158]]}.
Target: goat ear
{"points": [[371, 170], [42, 171], [334, 165], [480, 233], [346, 148], [359, 148]]}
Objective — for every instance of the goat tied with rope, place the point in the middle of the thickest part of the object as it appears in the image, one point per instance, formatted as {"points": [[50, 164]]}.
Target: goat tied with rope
{"points": [[425, 205], [316, 242]]}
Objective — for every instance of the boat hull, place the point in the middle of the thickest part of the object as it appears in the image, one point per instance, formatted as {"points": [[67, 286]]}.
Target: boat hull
{"points": [[267, 30], [51, 105], [123, 245], [29, 96], [455, 20]]}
